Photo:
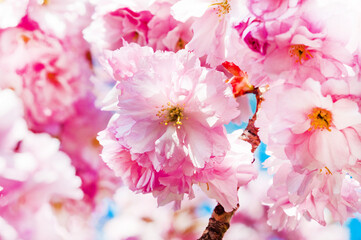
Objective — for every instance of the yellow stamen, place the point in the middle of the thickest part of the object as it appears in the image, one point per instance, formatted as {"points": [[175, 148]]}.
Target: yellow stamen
{"points": [[320, 119], [221, 8], [45, 2], [135, 36], [180, 44], [327, 171], [25, 38], [171, 113], [300, 52]]}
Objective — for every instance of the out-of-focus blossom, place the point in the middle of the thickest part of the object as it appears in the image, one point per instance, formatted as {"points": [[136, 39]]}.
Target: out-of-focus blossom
{"points": [[33, 172], [69, 17], [78, 137], [48, 85], [137, 216]]}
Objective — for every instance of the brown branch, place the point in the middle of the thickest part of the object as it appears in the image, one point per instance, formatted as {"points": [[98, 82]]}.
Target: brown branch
{"points": [[218, 224], [220, 220], [250, 134]]}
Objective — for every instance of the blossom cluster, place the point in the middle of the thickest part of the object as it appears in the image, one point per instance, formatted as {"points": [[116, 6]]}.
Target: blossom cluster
{"points": [[100, 95]]}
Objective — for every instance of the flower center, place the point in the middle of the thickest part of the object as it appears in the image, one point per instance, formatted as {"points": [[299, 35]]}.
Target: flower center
{"points": [[45, 2], [325, 170], [180, 44], [171, 114], [221, 8], [300, 52], [320, 119]]}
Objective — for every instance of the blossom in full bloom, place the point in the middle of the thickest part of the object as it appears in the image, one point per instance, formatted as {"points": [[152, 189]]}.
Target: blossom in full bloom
{"points": [[310, 129], [168, 130]]}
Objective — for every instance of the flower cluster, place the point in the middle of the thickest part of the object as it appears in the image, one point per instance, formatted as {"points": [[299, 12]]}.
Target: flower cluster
{"points": [[102, 94]]}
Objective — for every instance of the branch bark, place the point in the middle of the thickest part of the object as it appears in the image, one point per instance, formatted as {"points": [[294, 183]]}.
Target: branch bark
{"points": [[218, 224]]}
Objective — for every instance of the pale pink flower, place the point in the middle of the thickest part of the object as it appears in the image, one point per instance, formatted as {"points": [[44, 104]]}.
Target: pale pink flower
{"points": [[310, 129], [165, 33], [309, 194], [221, 180], [152, 26], [109, 30], [295, 48], [212, 28], [250, 219], [163, 116]]}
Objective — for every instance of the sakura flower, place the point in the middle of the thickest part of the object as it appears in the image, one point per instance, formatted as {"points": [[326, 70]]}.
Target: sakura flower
{"points": [[109, 30], [162, 117], [236, 170], [295, 48], [153, 26], [311, 130], [212, 28], [250, 220], [311, 194]]}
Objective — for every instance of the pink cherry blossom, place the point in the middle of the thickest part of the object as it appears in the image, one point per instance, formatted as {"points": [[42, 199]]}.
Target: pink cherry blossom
{"points": [[108, 30], [293, 49], [162, 117], [310, 129], [309, 194], [250, 220], [154, 27], [223, 179], [212, 28]]}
